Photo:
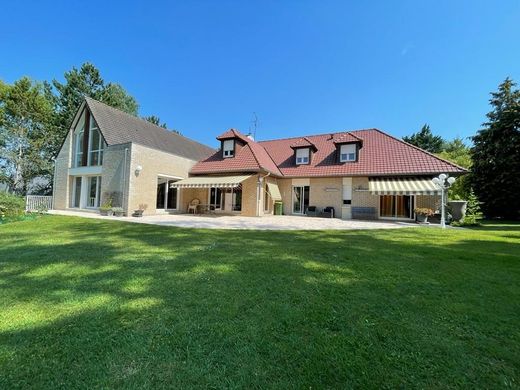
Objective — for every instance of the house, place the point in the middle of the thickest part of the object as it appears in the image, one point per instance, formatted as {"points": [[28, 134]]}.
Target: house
{"points": [[365, 174], [109, 156]]}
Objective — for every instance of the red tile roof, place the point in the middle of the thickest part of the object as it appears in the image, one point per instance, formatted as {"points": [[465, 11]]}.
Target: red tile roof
{"points": [[250, 158], [340, 138], [380, 155], [302, 143]]}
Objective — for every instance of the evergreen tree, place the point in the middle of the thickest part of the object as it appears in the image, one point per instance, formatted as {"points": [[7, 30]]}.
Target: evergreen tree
{"points": [[496, 155], [155, 120], [86, 81], [425, 140]]}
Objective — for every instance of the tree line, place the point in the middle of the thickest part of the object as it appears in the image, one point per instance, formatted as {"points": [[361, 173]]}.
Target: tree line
{"points": [[35, 117], [493, 159]]}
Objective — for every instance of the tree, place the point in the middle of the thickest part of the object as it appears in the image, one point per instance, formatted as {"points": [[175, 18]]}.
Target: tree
{"points": [[458, 153], [496, 155], [425, 139], [86, 81], [26, 120], [155, 120]]}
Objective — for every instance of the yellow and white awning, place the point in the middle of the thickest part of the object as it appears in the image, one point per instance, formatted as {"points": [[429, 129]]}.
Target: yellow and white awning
{"points": [[211, 181], [274, 191], [409, 186]]}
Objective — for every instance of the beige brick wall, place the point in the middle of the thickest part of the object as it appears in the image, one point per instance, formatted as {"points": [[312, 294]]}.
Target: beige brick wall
{"points": [[360, 196], [327, 191], [429, 201], [250, 197], [61, 186], [143, 188]]}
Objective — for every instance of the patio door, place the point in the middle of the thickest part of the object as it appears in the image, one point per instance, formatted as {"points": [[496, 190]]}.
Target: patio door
{"points": [[396, 206], [215, 198], [166, 195], [300, 199]]}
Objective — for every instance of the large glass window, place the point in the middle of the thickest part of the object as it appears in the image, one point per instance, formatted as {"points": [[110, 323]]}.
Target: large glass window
{"points": [[78, 146], [215, 198], [76, 192], [171, 198], [96, 145], [396, 206], [300, 199]]}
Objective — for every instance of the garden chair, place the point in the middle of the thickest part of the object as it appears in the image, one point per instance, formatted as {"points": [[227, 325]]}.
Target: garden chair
{"points": [[193, 205]]}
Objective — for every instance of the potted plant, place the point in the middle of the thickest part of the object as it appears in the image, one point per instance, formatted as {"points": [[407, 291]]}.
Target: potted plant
{"points": [[139, 212], [106, 207], [118, 211], [422, 214]]}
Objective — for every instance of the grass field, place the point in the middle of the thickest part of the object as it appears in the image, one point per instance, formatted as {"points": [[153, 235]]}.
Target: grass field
{"points": [[104, 304]]}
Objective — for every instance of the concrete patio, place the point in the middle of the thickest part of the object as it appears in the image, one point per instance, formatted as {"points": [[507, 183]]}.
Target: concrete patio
{"points": [[283, 222]]}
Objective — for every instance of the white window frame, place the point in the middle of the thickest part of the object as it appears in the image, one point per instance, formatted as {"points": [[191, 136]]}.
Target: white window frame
{"points": [[97, 198], [228, 148], [303, 156], [347, 153], [99, 147], [78, 142]]}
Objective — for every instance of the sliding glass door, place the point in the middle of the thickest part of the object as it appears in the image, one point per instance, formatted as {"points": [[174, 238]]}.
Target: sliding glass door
{"points": [[300, 199], [166, 194], [396, 206]]}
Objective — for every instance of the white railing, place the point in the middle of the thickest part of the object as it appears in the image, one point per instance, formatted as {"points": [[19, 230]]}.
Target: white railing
{"points": [[38, 203]]}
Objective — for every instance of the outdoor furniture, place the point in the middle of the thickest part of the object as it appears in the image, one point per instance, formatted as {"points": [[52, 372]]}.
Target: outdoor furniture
{"points": [[312, 211], [364, 213], [193, 205], [328, 212]]}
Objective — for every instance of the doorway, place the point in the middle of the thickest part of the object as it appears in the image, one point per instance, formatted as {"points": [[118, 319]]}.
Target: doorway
{"points": [[396, 206], [167, 196], [300, 199]]}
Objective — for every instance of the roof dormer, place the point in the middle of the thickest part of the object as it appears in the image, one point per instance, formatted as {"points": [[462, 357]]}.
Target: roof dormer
{"points": [[347, 147], [303, 151], [231, 142]]}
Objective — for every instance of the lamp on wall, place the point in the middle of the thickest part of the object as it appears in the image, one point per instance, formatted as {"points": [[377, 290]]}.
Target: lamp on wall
{"points": [[138, 170]]}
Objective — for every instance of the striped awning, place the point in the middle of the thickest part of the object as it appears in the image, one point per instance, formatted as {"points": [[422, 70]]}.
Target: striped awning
{"points": [[274, 191], [409, 186], [211, 181]]}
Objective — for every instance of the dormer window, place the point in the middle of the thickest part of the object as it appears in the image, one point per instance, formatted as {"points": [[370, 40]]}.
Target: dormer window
{"points": [[302, 156], [347, 153], [228, 148]]}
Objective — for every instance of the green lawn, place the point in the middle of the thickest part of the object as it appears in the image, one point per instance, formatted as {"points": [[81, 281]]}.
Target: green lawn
{"points": [[94, 303]]}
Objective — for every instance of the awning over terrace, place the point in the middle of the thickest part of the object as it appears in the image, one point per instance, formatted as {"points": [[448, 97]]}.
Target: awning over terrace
{"points": [[398, 186], [274, 191], [211, 181]]}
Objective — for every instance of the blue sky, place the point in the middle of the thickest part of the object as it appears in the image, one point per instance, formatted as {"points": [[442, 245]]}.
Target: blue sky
{"points": [[304, 67]]}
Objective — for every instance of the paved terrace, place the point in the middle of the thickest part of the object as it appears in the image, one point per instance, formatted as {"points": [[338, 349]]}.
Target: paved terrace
{"points": [[282, 222]]}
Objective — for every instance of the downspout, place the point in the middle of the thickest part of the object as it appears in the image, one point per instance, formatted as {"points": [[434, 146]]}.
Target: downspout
{"points": [[259, 192], [123, 191]]}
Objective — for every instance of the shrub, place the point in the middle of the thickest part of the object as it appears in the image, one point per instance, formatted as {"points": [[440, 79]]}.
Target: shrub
{"points": [[473, 212], [11, 206]]}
